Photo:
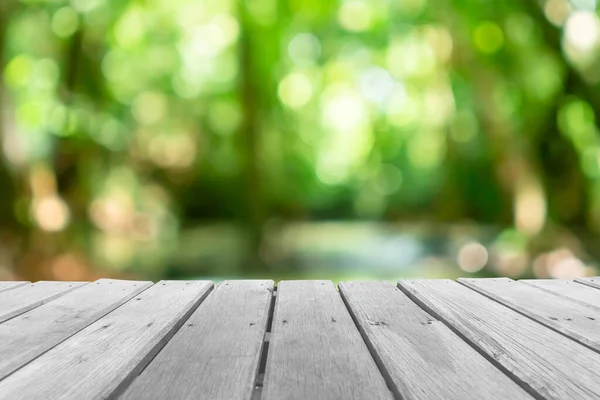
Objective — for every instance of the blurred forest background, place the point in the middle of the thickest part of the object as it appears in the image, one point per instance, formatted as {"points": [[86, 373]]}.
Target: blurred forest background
{"points": [[165, 139]]}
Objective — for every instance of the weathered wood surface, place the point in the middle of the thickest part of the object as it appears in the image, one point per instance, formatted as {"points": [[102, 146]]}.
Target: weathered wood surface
{"points": [[316, 351], [11, 285], [410, 344], [573, 290], [545, 362], [104, 357], [215, 354], [422, 339], [573, 319], [29, 335], [24, 298]]}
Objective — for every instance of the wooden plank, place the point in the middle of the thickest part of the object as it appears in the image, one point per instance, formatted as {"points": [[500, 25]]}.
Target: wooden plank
{"points": [[216, 353], [573, 290], [11, 285], [27, 297], [409, 344], [316, 351], [105, 356], [29, 335], [578, 321], [543, 361], [593, 282]]}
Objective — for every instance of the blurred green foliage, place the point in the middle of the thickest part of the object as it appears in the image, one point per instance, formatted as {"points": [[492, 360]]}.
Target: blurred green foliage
{"points": [[125, 124]]}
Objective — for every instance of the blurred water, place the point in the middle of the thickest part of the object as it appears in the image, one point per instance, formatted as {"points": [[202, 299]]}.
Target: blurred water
{"points": [[330, 250]]}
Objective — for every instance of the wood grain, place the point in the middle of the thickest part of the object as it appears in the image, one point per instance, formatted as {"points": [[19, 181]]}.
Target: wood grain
{"points": [[410, 344], [24, 298], [593, 282], [29, 335], [543, 361], [573, 290], [578, 321], [216, 353], [11, 285], [316, 351], [104, 357]]}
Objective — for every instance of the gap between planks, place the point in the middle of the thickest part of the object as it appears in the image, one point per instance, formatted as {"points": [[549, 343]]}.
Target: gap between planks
{"points": [[262, 363]]}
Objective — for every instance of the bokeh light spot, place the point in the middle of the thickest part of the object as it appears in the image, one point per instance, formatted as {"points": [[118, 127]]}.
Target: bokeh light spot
{"points": [[51, 213], [488, 37], [376, 84], [472, 257], [129, 29], [65, 22], [304, 48], [355, 15], [172, 151], [576, 120], [295, 90], [582, 30], [19, 71], [343, 110], [557, 11], [530, 207]]}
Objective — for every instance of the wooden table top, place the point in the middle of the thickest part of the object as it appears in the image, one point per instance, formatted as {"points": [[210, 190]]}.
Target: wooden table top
{"points": [[418, 339]]}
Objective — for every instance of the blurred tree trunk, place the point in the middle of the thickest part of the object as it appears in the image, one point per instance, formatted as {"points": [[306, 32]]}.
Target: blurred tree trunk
{"points": [[65, 161], [253, 209], [502, 144]]}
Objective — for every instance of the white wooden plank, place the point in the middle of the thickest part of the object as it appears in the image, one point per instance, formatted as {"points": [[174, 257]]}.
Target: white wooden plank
{"points": [[31, 334], [216, 353], [573, 290], [24, 298], [593, 281], [105, 356], [573, 319], [316, 351], [409, 345], [11, 285], [542, 360]]}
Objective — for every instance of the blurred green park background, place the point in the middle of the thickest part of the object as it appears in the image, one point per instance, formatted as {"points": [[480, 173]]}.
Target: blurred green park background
{"points": [[166, 139]]}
